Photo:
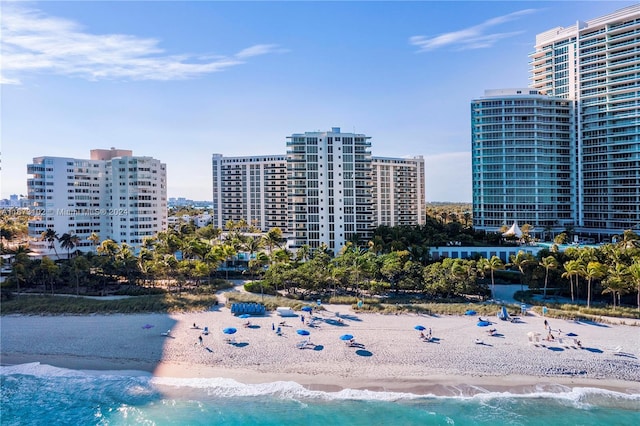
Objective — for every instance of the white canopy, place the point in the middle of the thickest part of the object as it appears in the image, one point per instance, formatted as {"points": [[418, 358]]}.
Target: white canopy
{"points": [[514, 230]]}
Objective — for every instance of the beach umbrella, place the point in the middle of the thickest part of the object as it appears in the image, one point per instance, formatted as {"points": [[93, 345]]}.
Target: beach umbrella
{"points": [[229, 330], [303, 332], [483, 323], [419, 327], [307, 308], [346, 337], [147, 326], [470, 312], [244, 316]]}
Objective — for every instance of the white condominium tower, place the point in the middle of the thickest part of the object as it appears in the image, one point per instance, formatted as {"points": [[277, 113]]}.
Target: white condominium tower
{"points": [[253, 189], [596, 65], [398, 191], [113, 194], [329, 188], [326, 190], [521, 160]]}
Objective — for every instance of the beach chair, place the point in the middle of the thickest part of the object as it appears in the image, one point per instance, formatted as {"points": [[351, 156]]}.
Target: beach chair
{"points": [[302, 344], [205, 331], [167, 333]]}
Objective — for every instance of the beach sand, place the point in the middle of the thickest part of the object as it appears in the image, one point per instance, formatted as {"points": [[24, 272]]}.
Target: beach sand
{"points": [[390, 355]]}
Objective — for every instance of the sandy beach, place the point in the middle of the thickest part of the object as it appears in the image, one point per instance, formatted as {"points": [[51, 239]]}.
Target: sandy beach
{"points": [[389, 355]]}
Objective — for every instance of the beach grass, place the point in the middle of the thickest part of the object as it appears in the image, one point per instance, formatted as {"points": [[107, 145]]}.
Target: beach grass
{"points": [[58, 305]]}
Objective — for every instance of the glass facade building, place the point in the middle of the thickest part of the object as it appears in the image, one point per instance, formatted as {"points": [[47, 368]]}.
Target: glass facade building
{"points": [[565, 153], [521, 160], [596, 66]]}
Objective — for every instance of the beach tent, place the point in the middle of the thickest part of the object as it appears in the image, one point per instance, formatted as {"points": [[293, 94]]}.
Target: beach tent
{"points": [[513, 231]]}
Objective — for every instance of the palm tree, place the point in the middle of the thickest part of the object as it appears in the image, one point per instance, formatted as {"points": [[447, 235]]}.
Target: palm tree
{"points": [[273, 238], [21, 263], [634, 274], [253, 245], [520, 260], [51, 237], [79, 266], [68, 241], [95, 239], [547, 263], [467, 218], [616, 282], [629, 240], [108, 248], [493, 264], [573, 268], [594, 270]]}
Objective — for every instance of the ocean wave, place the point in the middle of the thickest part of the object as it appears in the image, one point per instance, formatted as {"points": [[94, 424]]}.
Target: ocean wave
{"points": [[44, 370], [578, 397]]}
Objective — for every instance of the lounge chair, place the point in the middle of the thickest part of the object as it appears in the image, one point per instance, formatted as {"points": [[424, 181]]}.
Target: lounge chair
{"points": [[167, 333], [205, 331]]}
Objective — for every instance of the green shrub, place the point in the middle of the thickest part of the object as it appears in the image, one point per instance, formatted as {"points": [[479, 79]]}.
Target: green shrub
{"points": [[259, 287], [58, 305]]}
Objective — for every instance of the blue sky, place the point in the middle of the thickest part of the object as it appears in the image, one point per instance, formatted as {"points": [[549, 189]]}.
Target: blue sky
{"points": [[180, 81]]}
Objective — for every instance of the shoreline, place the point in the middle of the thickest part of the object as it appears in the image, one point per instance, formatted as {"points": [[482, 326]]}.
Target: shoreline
{"points": [[390, 356], [435, 385]]}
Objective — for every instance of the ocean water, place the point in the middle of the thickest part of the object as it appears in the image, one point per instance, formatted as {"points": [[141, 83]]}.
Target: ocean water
{"points": [[35, 394]]}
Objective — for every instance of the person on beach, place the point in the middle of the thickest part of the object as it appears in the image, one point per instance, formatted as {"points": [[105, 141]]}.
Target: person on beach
{"points": [[302, 318], [546, 324], [199, 341]]}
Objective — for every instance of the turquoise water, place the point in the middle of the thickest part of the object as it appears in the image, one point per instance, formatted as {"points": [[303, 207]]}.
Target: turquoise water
{"points": [[36, 394]]}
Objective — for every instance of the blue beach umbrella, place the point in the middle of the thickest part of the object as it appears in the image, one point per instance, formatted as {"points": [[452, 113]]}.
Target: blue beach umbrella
{"points": [[470, 312], [303, 332], [483, 323], [346, 337], [243, 316], [419, 327], [307, 308], [229, 330]]}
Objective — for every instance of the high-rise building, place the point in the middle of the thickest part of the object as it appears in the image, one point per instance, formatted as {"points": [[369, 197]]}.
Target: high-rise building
{"points": [[328, 189], [113, 194], [521, 160], [253, 189], [596, 65], [398, 191]]}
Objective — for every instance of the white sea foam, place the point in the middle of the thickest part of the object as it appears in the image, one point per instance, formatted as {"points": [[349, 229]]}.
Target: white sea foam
{"points": [[578, 397]]}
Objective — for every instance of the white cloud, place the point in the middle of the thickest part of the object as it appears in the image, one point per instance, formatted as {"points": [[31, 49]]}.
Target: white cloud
{"points": [[474, 37], [33, 42]]}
